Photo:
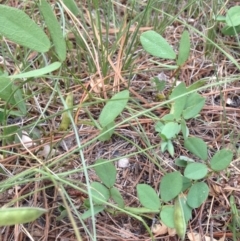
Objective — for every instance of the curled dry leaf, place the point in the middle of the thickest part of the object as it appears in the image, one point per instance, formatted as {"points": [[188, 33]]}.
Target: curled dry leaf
{"points": [[159, 229], [123, 162], [197, 237], [172, 232], [96, 85]]}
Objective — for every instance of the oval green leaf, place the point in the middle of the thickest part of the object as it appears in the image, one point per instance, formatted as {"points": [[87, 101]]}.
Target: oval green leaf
{"points": [[197, 194], [19, 28], [233, 16], [113, 107], [170, 186], [20, 102], [221, 160], [170, 130], [156, 45], [54, 29], [179, 103], [12, 216], [159, 126], [195, 171], [100, 193], [166, 215], [106, 171], [186, 184], [170, 148], [117, 197], [107, 132], [184, 129], [186, 209], [197, 146], [6, 90], [194, 104], [148, 197], [230, 30], [184, 48], [96, 210]]}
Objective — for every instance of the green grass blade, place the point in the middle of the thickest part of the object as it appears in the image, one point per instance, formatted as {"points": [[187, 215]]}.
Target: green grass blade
{"points": [[54, 29]]}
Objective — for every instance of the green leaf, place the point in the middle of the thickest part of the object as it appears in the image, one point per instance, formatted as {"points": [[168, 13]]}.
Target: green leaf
{"points": [[96, 210], [2, 117], [184, 129], [220, 18], [186, 209], [230, 30], [186, 184], [233, 16], [221, 160], [156, 45], [63, 214], [106, 171], [19, 215], [170, 130], [170, 148], [166, 215], [178, 90], [72, 6], [9, 133], [184, 48], [168, 117], [197, 194], [117, 197], [180, 163], [6, 90], [183, 161], [194, 104], [20, 102], [38, 72], [19, 28], [170, 186], [159, 126], [196, 85], [140, 210], [195, 171], [100, 193], [164, 146], [197, 146], [66, 120], [113, 107], [160, 84], [179, 218], [148, 197], [54, 29], [179, 104], [107, 132]]}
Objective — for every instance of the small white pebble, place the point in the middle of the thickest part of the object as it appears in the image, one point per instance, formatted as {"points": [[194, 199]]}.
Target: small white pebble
{"points": [[123, 163]]}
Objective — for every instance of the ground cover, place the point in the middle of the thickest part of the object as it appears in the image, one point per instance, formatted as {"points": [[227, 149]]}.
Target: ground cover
{"points": [[119, 120]]}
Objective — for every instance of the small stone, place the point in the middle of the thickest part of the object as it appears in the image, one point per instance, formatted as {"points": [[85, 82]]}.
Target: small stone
{"points": [[123, 163]]}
